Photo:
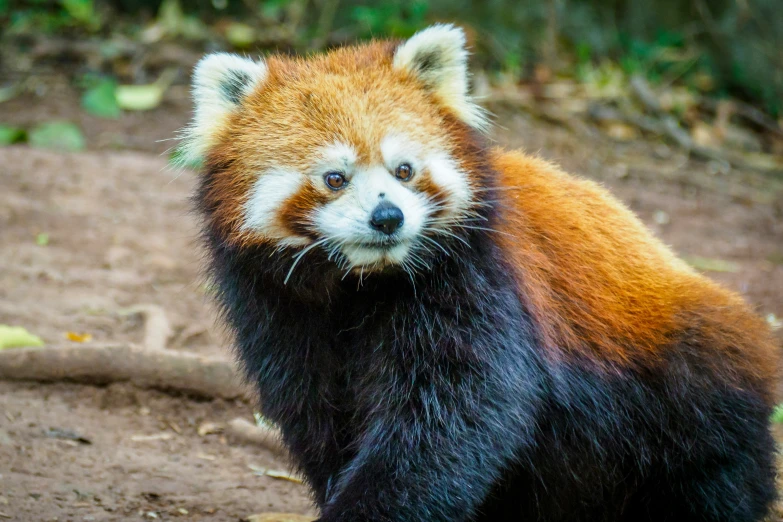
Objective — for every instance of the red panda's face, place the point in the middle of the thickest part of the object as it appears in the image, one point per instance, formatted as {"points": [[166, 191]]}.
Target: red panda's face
{"points": [[352, 152]]}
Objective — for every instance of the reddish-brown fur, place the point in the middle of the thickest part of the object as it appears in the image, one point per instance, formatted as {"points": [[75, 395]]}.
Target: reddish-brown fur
{"points": [[601, 285], [552, 338], [595, 279], [301, 107]]}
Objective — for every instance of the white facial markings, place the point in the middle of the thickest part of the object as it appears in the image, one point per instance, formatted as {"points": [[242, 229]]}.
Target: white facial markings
{"points": [[443, 169], [337, 157], [445, 173], [270, 191], [346, 220], [396, 149]]}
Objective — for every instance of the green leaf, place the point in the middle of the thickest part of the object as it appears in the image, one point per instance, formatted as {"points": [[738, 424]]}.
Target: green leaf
{"points": [[170, 16], [707, 264], [16, 336], [240, 35], [10, 135], [101, 100], [144, 97], [777, 414], [42, 239], [57, 135], [139, 97], [83, 11]]}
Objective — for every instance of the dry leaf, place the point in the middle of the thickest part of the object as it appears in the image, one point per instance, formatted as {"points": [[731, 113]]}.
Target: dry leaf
{"points": [[277, 517], [621, 131], [704, 135], [205, 456], [208, 428], [257, 470], [282, 475], [78, 337]]}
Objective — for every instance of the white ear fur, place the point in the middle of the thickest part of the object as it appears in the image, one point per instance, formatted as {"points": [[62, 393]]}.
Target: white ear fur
{"points": [[220, 82], [437, 56]]}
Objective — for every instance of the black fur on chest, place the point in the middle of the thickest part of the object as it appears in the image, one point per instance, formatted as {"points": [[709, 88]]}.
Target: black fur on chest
{"points": [[331, 354]]}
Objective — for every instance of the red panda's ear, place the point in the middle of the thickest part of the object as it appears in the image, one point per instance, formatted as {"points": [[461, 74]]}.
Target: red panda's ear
{"points": [[220, 83], [438, 57]]}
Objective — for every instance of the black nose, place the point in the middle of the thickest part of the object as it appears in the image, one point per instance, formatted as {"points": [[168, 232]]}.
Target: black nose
{"points": [[387, 218]]}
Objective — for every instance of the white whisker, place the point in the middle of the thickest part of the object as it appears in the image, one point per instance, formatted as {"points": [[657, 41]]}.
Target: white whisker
{"points": [[299, 256]]}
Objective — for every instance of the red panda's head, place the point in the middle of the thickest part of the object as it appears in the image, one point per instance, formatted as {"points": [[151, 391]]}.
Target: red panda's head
{"points": [[364, 152]]}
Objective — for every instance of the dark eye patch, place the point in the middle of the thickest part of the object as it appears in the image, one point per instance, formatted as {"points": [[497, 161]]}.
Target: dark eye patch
{"points": [[233, 84]]}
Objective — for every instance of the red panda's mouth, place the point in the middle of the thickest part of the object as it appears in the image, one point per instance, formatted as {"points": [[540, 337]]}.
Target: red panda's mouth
{"points": [[378, 245]]}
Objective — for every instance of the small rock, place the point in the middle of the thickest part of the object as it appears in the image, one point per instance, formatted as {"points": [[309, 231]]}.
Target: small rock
{"points": [[59, 433], [661, 217]]}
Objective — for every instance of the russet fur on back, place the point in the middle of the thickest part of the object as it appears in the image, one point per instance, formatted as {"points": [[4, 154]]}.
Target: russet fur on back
{"points": [[444, 331]]}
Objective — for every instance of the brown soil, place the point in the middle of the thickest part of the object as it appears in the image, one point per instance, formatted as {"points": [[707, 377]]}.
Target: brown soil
{"points": [[120, 234]]}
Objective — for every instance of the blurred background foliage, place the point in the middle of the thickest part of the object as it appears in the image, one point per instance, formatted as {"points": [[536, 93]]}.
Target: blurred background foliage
{"points": [[724, 47], [704, 75]]}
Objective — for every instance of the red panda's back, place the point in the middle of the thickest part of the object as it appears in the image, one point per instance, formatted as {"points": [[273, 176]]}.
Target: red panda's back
{"points": [[598, 283]]}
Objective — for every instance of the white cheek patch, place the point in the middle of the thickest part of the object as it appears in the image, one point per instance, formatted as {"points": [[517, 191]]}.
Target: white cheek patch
{"points": [[268, 195], [445, 173]]}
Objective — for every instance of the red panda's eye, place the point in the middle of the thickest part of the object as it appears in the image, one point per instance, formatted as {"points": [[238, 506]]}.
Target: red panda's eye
{"points": [[404, 172], [335, 180]]}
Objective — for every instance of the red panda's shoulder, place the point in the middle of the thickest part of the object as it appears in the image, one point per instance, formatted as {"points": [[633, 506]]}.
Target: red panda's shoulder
{"points": [[599, 283]]}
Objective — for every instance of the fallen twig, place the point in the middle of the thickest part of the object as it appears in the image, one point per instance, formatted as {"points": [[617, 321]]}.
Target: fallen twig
{"points": [[157, 329], [669, 128], [249, 432], [277, 517], [102, 364], [667, 125], [746, 111]]}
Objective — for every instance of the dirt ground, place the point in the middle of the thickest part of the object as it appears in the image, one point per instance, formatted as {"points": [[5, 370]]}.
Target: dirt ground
{"points": [[120, 234]]}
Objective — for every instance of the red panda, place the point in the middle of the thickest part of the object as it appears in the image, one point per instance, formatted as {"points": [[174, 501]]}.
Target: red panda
{"points": [[446, 331]]}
